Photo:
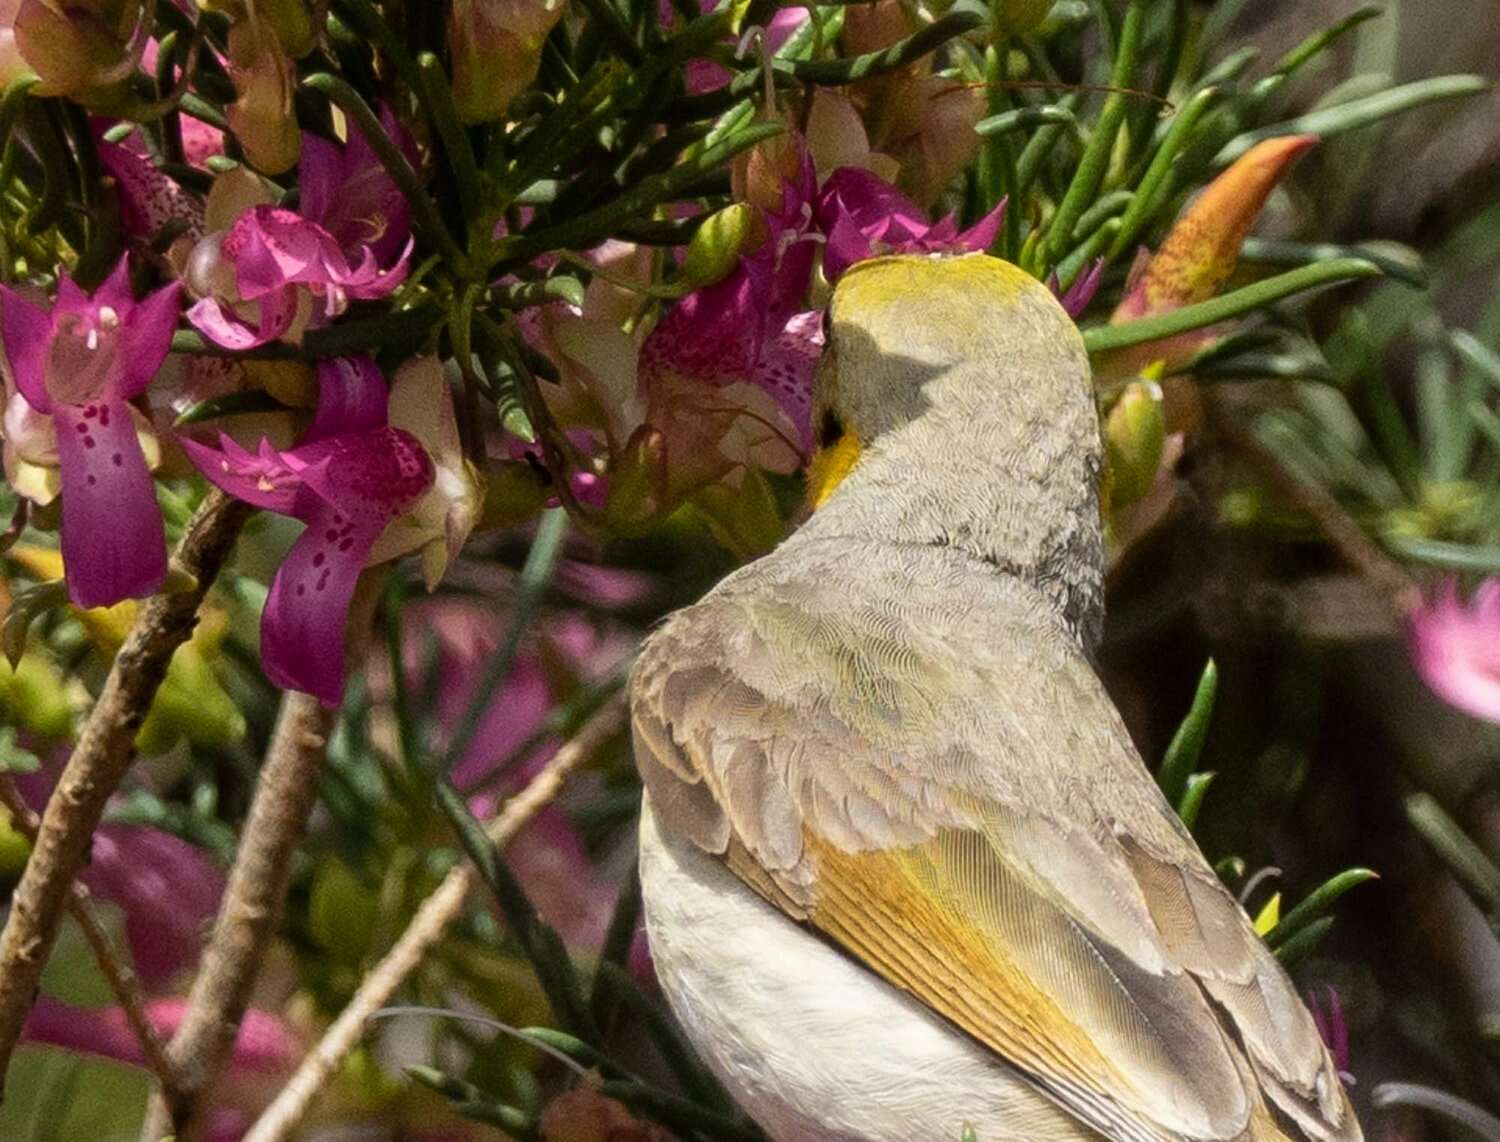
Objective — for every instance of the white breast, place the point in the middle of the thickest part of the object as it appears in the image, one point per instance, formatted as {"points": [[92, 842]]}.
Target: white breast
{"points": [[813, 1046]]}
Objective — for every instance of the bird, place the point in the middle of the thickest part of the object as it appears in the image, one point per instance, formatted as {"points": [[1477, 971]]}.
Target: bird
{"points": [[904, 875]]}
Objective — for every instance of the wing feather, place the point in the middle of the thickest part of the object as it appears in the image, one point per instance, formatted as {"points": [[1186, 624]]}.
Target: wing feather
{"points": [[974, 826]]}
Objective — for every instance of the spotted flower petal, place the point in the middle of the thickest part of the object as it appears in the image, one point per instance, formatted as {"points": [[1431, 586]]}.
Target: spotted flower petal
{"points": [[302, 631], [80, 362], [149, 199], [348, 481], [113, 542]]}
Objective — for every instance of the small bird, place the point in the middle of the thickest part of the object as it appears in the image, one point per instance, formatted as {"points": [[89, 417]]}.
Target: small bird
{"points": [[904, 873]]}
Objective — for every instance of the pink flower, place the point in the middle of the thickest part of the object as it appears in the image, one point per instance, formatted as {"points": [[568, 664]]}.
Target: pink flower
{"points": [[726, 375], [704, 75], [1456, 647], [149, 199], [863, 215], [81, 362], [266, 1045], [1075, 299], [351, 241], [1333, 1028], [167, 889], [266, 1051], [351, 476]]}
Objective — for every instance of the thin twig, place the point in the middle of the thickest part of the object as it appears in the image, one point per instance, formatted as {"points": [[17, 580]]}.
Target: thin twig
{"points": [[99, 761], [427, 927], [249, 913], [119, 975], [1346, 537]]}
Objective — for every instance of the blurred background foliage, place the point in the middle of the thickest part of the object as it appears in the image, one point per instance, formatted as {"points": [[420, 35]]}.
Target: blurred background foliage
{"points": [[1328, 752]]}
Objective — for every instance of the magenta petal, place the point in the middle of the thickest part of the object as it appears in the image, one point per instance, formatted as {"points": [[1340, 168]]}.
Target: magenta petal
{"points": [[1082, 291], [266, 1044], [714, 333], [148, 198], [352, 396], [167, 889], [26, 333], [113, 543], [223, 327], [114, 291], [320, 176], [147, 338], [869, 201], [359, 203], [374, 282], [785, 370], [302, 629], [71, 297], [263, 479], [982, 235], [271, 246], [845, 246]]}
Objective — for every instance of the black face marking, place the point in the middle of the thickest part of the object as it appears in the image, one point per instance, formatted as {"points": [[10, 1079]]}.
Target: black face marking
{"points": [[830, 428]]}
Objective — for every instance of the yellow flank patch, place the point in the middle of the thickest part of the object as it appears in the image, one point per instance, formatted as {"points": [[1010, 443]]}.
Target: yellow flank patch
{"points": [[829, 467], [875, 905]]}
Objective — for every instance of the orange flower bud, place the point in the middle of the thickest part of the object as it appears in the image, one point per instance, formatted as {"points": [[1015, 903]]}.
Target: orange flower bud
{"points": [[1200, 252]]}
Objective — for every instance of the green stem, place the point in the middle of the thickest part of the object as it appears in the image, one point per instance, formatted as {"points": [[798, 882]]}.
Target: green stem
{"points": [[1096, 155], [1155, 184], [455, 139], [1342, 117], [591, 226], [1104, 338]]}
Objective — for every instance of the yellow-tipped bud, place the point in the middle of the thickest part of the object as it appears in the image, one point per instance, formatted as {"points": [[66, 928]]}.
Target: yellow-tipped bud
{"points": [[1134, 434]]}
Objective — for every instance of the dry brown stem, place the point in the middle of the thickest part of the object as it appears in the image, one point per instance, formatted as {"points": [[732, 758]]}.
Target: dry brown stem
{"points": [[118, 974], [427, 927], [104, 752], [249, 913]]}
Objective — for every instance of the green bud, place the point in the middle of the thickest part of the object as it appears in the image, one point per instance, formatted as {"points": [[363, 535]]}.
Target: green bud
{"points": [[1134, 434], [638, 482], [14, 849], [717, 245]]}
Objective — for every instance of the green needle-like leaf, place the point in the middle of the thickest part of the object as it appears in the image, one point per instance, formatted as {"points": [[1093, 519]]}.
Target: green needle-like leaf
{"points": [[1103, 338], [1187, 743]]}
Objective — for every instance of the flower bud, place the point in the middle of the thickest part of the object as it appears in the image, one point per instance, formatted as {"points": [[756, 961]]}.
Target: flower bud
{"points": [[262, 118], [289, 19], [78, 49], [871, 27], [717, 245], [496, 47], [1134, 434], [638, 481]]}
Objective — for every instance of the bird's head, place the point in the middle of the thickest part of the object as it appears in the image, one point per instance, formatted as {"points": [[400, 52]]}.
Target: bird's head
{"points": [[953, 405]]}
